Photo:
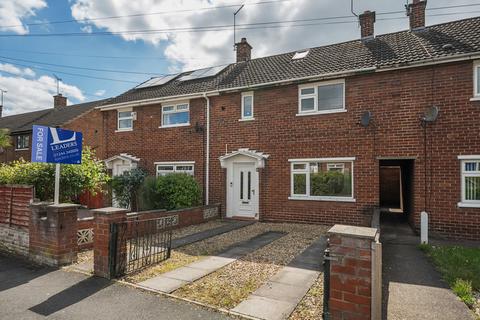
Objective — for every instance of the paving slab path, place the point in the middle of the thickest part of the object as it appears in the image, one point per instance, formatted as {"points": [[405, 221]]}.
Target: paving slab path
{"points": [[202, 235], [412, 288], [277, 299], [173, 280]]}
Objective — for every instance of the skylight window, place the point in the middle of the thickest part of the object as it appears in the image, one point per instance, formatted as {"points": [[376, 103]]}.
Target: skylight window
{"points": [[203, 73], [157, 81], [300, 54]]}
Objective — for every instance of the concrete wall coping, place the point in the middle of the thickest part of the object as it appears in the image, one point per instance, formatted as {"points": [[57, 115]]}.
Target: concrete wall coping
{"points": [[354, 231], [85, 219], [110, 210], [64, 205]]}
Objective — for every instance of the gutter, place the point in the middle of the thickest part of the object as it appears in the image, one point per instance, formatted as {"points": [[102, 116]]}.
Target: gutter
{"points": [[207, 150]]}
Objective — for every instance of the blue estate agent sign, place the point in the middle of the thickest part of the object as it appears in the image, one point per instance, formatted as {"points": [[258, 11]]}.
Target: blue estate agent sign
{"points": [[55, 145]]}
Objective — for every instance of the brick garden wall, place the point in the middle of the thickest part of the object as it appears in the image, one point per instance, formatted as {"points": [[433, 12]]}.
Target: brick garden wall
{"points": [[14, 218], [397, 100]]}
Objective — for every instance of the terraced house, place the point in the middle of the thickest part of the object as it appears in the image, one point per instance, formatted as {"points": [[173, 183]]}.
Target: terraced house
{"points": [[322, 135]]}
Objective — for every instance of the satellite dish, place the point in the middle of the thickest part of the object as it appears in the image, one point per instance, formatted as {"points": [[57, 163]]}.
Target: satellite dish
{"points": [[431, 114], [366, 118]]}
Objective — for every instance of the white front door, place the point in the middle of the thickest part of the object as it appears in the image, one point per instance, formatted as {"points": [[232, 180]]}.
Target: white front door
{"points": [[244, 191]]}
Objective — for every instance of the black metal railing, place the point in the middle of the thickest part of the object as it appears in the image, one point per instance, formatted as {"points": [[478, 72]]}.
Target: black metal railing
{"points": [[326, 284], [135, 245]]}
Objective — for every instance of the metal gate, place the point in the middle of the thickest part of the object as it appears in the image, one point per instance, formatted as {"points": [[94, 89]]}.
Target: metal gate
{"points": [[137, 244]]}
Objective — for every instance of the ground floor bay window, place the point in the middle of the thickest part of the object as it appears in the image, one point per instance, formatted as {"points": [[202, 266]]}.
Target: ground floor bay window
{"points": [[329, 179]]}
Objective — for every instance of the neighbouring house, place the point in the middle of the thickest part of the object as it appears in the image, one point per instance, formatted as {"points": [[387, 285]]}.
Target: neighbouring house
{"points": [[322, 135], [80, 117]]}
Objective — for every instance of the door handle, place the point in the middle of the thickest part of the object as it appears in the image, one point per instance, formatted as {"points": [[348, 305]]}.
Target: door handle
{"points": [[253, 191]]}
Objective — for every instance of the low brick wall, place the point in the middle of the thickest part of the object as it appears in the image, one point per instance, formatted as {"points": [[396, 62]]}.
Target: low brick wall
{"points": [[14, 218], [85, 233]]}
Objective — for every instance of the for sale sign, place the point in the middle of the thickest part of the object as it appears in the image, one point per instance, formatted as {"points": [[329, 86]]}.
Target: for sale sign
{"points": [[54, 145]]}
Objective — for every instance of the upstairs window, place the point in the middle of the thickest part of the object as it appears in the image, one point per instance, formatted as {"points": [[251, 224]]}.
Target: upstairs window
{"points": [[325, 97], [22, 142], [164, 168], [125, 120], [176, 115], [322, 179], [247, 106], [470, 182], [476, 79]]}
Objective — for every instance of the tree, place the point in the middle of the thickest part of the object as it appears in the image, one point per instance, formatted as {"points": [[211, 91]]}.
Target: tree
{"points": [[5, 140]]}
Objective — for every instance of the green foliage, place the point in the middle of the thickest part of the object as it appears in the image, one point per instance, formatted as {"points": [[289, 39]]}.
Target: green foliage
{"points": [[172, 191], [330, 183], [460, 267], [463, 289], [75, 179], [126, 187], [5, 140]]}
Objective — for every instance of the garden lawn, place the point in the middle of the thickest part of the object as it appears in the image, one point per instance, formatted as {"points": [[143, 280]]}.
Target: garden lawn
{"points": [[460, 267]]}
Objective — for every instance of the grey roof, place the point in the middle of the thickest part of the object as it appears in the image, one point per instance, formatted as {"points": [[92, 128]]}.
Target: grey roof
{"points": [[388, 50], [53, 117]]}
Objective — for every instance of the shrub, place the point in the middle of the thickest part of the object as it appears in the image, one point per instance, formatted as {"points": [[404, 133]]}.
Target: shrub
{"points": [[330, 183], [463, 289], [90, 175], [126, 188], [172, 191]]}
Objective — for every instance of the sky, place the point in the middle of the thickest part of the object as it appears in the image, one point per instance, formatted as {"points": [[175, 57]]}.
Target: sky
{"points": [[101, 48]]}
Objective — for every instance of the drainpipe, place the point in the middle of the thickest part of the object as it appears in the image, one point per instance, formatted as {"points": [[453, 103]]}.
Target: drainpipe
{"points": [[207, 150]]}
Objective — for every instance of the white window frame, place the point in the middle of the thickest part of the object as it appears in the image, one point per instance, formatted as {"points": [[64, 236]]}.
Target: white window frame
{"points": [[476, 79], [243, 117], [175, 110], [175, 164], [315, 97], [306, 171], [17, 140], [463, 175], [333, 166], [131, 117]]}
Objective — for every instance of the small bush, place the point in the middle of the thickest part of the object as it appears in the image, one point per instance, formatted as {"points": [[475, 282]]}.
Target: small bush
{"points": [[126, 188], [463, 289], [172, 191]]}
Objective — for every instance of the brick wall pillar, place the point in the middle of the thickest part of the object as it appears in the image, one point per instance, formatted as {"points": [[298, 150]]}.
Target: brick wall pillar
{"points": [[53, 233], [352, 281], [101, 239]]}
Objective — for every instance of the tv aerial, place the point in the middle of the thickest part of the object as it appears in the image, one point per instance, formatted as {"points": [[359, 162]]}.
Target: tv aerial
{"points": [[431, 114]]}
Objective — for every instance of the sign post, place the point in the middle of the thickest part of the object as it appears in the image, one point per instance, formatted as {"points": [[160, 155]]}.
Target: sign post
{"points": [[54, 145]]}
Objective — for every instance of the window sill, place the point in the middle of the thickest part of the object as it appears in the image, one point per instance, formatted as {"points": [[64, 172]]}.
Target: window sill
{"points": [[23, 149], [320, 112], [246, 119], [123, 130], [468, 205], [175, 125], [476, 98], [332, 199]]}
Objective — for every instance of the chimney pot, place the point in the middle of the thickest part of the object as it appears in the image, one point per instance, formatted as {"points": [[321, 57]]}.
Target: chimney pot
{"points": [[367, 24], [244, 50], [416, 13], [59, 101]]}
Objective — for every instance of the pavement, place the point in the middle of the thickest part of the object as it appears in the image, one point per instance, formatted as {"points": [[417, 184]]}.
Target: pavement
{"points": [[277, 298], [173, 280], [32, 292], [412, 288]]}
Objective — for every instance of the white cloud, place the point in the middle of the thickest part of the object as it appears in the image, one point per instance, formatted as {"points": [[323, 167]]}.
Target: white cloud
{"points": [[13, 11], [198, 49], [11, 69], [100, 93], [25, 95]]}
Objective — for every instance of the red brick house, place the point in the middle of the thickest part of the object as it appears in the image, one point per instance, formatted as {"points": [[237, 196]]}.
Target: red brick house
{"points": [[80, 117], [322, 135]]}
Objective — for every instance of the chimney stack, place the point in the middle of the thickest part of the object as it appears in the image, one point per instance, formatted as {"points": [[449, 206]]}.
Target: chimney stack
{"points": [[416, 13], [367, 24], [59, 101], [244, 50]]}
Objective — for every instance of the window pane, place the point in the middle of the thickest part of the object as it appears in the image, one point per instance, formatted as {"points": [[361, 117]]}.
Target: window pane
{"points": [[478, 80], [307, 91], [182, 107], [176, 118], [165, 168], [125, 124], [300, 183], [247, 106], [330, 97], [168, 108], [472, 188], [330, 183], [308, 104], [124, 114], [299, 166], [470, 166]]}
